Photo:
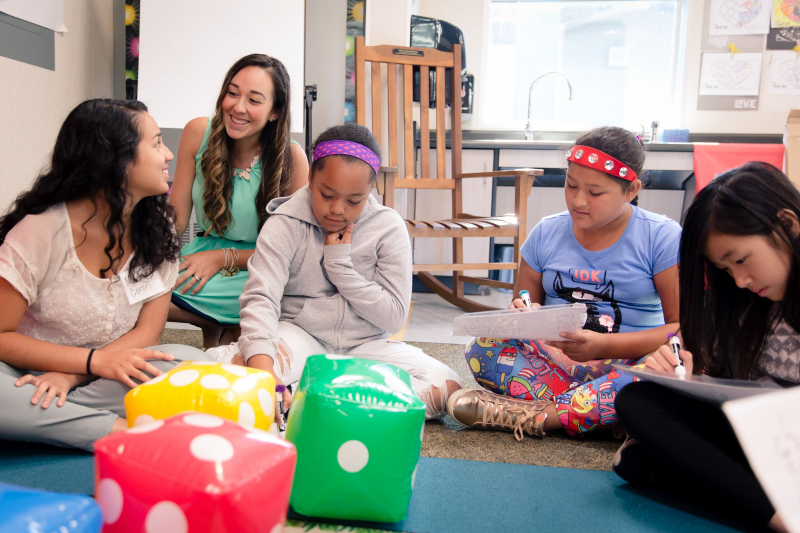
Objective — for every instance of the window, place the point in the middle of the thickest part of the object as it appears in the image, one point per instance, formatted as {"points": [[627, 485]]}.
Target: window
{"points": [[621, 57]]}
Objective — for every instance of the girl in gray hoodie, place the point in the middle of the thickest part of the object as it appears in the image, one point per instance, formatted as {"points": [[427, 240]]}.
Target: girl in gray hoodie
{"points": [[331, 273]]}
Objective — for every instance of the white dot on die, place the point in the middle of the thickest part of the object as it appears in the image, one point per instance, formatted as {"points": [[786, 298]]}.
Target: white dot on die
{"points": [[166, 517], [183, 378], [247, 415], [211, 448], [265, 400], [200, 420], [145, 424], [277, 528], [109, 497], [214, 381], [203, 363], [156, 379], [333, 357], [422, 433], [234, 369], [245, 384], [414, 476], [353, 456]]}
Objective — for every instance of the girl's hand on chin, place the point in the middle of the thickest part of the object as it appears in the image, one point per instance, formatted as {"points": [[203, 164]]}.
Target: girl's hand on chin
{"points": [[340, 237]]}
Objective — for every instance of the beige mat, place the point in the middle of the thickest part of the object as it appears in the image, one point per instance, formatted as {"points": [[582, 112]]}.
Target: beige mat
{"points": [[444, 438]]}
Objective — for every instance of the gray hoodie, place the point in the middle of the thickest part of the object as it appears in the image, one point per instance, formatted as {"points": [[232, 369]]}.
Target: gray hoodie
{"points": [[343, 294]]}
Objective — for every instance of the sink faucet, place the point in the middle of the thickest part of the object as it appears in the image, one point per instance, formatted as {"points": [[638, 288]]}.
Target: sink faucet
{"points": [[528, 130]]}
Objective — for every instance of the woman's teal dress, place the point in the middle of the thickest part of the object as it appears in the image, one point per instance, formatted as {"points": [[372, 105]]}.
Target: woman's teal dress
{"points": [[219, 298]]}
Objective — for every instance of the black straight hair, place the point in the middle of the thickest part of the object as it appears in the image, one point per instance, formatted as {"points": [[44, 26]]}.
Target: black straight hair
{"points": [[348, 132], [96, 144], [623, 146], [725, 327]]}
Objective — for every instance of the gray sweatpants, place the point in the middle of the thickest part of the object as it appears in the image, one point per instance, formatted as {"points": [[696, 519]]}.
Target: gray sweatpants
{"points": [[88, 414]]}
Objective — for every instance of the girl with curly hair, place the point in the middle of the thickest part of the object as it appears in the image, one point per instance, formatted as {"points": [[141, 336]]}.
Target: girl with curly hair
{"points": [[87, 259], [229, 167]]}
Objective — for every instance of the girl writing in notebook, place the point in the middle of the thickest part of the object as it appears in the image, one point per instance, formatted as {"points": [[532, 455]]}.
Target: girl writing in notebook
{"points": [[740, 317]]}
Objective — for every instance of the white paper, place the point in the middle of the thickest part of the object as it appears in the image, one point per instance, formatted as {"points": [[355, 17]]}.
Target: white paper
{"points": [[722, 75], [784, 74], [45, 13], [739, 17], [770, 438], [186, 47], [702, 387], [543, 323]]}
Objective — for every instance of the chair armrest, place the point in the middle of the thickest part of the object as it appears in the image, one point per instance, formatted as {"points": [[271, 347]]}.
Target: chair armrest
{"points": [[389, 170], [502, 173]]}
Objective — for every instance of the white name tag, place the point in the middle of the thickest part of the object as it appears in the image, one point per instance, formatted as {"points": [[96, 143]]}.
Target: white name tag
{"points": [[136, 291]]}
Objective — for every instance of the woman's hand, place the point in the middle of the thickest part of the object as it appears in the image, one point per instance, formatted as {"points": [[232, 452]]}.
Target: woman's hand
{"points": [[519, 304], [198, 268], [122, 365], [340, 237], [664, 360], [50, 385], [585, 346]]}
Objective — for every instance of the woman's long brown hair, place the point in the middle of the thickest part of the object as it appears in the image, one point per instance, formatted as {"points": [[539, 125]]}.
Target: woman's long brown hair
{"points": [[276, 158]]}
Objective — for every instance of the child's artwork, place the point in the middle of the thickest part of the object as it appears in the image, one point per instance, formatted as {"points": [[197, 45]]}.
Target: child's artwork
{"points": [[702, 387], [785, 13], [738, 17], [771, 441], [723, 75], [784, 74], [543, 323]]}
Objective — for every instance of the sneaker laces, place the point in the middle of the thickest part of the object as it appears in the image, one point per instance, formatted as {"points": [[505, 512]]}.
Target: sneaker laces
{"points": [[517, 421]]}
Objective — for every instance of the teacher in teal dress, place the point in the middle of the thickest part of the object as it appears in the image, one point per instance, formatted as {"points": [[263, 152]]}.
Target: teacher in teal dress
{"points": [[228, 168]]}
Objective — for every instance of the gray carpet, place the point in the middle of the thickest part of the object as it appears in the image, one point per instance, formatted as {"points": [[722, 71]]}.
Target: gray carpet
{"points": [[446, 439]]}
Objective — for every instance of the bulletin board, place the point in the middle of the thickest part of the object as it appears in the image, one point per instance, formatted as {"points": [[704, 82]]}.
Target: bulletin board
{"points": [[750, 51], [187, 46]]}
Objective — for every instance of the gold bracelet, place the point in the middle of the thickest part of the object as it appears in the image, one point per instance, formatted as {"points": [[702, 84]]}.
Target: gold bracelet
{"points": [[235, 266], [224, 270]]}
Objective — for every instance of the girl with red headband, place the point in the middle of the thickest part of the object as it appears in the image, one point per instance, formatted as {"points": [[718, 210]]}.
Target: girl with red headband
{"points": [[605, 252]]}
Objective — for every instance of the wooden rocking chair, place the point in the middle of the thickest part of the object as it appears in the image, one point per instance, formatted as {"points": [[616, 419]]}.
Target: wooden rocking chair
{"points": [[462, 225]]}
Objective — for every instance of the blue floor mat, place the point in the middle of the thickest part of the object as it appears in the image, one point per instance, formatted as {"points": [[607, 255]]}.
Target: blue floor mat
{"points": [[452, 495]]}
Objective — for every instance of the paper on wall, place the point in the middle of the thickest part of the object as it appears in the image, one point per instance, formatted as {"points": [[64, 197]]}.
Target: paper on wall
{"points": [[739, 17], [784, 74], [46, 13], [771, 441], [785, 13], [187, 46], [542, 323], [723, 75], [702, 387]]}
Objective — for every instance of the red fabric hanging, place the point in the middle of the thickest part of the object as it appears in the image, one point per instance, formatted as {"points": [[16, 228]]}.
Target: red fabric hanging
{"points": [[713, 159]]}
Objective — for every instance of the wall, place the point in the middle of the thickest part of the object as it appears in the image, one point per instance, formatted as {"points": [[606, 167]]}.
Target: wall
{"points": [[773, 109], [326, 25], [473, 17], [34, 101]]}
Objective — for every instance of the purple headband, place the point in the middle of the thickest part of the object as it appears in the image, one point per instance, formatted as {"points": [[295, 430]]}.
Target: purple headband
{"points": [[360, 151]]}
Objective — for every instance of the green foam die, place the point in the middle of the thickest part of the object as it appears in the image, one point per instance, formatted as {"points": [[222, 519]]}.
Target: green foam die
{"points": [[357, 426]]}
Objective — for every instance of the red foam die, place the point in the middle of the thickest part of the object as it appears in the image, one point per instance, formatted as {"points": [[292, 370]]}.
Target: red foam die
{"points": [[193, 473]]}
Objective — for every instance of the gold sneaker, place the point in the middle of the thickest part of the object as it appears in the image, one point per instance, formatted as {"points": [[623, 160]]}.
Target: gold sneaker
{"points": [[476, 408]]}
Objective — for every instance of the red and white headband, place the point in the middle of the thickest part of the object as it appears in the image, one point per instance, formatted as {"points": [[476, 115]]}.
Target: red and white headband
{"points": [[594, 158]]}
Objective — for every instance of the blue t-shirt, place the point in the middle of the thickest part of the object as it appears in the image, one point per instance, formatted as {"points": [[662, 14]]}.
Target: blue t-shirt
{"points": [[616, 284]]}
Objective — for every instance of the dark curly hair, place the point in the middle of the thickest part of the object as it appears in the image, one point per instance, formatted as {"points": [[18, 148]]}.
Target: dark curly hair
{"points": [[96, 144], [348, 132], [623, 146], [727, 327]]}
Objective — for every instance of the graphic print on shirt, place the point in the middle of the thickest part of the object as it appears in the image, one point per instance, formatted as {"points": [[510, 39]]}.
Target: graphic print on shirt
{"points": [[588, 287]]}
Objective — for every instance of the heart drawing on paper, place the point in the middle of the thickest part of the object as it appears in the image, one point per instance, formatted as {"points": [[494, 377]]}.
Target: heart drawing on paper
{"points": [[790, 72], [791, 10], [740, 14], [731, 74]]}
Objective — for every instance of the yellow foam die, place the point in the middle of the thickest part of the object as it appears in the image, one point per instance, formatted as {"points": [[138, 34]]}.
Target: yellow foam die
{"points": [[244, 395]]}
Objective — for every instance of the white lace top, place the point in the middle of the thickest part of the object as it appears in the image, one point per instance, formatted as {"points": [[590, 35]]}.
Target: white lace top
{"points": [[67, 304]]}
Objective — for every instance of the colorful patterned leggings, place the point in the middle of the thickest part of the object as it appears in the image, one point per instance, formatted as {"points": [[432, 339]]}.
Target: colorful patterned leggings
{"points": [[531, 370]]}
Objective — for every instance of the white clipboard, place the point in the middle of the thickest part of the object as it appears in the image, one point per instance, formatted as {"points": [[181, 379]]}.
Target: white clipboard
{"points": [[541, 323]]}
